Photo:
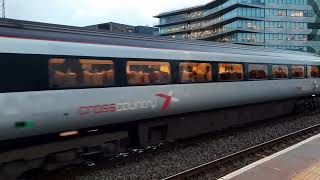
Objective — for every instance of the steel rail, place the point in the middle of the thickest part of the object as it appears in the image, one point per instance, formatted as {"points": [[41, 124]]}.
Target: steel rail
{"points": [[188, 174]]}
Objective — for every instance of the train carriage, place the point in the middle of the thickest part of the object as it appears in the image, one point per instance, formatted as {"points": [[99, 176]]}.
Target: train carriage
{"points": [[63, 83]]}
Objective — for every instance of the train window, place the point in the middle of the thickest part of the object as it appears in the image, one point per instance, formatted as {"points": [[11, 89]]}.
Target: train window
{"points": [[297, 71], [279, 71], [258, 71], [80, 73], [312, 71], [195, 72], [230, 72], [22, 72], [148, 72]]}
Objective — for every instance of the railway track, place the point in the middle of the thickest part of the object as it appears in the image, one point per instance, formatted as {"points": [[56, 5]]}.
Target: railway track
{"points": [[225, 165], [135, 154]]}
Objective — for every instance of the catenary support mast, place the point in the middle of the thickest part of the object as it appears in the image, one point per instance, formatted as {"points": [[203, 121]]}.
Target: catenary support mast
{"points": [[2, 9]]}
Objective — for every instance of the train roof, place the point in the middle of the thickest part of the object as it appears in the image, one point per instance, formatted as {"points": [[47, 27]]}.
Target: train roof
{"points": [[53, 32]]}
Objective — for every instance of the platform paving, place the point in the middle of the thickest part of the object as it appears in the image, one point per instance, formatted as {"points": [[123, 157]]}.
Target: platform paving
{"points": [[298, 162]]}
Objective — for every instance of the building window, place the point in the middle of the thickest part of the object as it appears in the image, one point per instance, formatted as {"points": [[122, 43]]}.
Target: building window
{"points": [[279, 71], [258, 71], [312, 71], [80, 73], [281, 12], [230, 72], [148, 72], [296, 13], [297, 71], [195, 72]]}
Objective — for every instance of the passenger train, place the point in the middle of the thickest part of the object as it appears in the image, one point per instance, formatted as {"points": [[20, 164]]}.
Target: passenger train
{"points": [[61, 85]]}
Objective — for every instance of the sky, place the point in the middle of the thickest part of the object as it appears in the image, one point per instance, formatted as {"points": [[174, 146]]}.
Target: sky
{"points": [[89, 12]]}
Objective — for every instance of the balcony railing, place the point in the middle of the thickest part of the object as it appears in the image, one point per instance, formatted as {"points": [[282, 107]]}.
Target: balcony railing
{"points": [[218, 31], [204, 24], [210, 11]]}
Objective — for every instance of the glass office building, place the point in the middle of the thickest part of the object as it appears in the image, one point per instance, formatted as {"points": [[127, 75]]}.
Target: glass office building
{"points": [[284, 24]]}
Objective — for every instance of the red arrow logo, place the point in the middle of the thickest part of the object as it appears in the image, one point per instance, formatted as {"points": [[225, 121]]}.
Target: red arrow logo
{"points": [[167, 101], [168, 98]]}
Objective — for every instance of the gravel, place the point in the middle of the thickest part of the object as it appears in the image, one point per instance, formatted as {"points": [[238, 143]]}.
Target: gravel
{"points": [[184, 155]]}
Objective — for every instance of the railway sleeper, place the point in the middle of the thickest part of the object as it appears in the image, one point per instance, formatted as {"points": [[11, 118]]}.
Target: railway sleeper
{"points": [[20, 162]]}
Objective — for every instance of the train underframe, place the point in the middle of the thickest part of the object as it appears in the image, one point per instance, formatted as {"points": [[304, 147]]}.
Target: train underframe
{"points": [[49, 156]]}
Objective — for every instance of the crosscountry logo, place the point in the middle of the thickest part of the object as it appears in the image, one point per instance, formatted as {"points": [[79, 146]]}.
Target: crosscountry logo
{"points": [[168, 98]]}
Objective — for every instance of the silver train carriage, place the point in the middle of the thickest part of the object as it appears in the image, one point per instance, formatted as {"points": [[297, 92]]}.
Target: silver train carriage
{"points": [[61, 82]]}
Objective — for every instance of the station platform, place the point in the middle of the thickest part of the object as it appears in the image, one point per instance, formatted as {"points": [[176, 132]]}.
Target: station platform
{"points": [[298, 162]]}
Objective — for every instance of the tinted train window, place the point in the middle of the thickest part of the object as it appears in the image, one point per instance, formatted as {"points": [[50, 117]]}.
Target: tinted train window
{"points": [[279, 71], [258, 71], [148, 72], [195, 72], [80, 73], [230, 72], [23, 72], [312, 71], [297, 71]]}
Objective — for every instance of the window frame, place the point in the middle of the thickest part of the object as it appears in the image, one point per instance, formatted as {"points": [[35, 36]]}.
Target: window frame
{"points": [[244, 73], [291, 69], [268, 71], [306, 66], [213, 70], [271, 69], [124, 75], [37, 61], [116, 79]]}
